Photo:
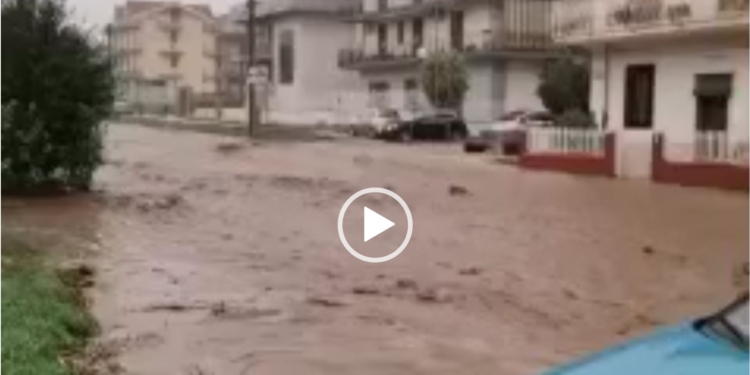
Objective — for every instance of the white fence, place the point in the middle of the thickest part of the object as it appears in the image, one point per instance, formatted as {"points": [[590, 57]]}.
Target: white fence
{"points": [[564, 140], [716, 146]]}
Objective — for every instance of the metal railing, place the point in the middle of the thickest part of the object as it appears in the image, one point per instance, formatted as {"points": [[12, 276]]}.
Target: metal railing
{"points": [[352, 56], [565, 141], [717, 146], [592, 18]]}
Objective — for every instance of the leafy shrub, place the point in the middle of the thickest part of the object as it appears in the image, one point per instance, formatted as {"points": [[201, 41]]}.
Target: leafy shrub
{"points": [[57, 89], [444, 79], [564, 85]]}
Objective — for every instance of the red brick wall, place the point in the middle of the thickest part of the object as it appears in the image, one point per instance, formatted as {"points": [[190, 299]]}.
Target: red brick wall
{"points": [[582, 163], [716, 175]]}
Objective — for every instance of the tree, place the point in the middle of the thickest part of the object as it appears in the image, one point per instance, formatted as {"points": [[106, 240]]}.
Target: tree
{"points": [[564, 86], [57, 89], [444, 79]]}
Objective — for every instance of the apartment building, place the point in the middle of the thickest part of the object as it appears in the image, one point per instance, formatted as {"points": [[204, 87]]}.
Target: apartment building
{"points": [[504, 44], [165, 54], [674, 67], [231, 64]]}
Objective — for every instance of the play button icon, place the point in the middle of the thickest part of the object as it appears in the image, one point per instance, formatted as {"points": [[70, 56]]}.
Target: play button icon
{"points": [[375, 224]]}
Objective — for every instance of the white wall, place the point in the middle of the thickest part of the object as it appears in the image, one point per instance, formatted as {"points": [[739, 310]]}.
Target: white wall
{"points": [[396, 93], [484, 101], [676, 67], [522, 83], [478, 23], [675, 109], [320, 87]]}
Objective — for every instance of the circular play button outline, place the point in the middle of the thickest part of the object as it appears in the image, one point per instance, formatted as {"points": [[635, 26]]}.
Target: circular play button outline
{"points": [[409, 220]]}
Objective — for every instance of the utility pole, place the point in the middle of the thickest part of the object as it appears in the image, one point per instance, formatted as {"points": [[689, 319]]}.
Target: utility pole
{"points": [[218, 75], [252, 108]]}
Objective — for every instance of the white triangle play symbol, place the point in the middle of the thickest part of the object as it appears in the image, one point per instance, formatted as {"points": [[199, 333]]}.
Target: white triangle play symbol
{"points": [[375, 224]]}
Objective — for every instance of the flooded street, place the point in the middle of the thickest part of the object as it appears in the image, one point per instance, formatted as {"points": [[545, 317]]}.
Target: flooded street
{"points": [[218, 255]]}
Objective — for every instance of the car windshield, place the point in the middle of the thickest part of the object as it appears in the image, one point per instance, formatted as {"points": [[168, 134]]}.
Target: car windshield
{"points": [[513, 115], [732, 323], [389, 114]]}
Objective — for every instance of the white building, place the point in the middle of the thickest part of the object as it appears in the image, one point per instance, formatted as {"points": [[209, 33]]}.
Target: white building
{"points": [[164, 53], [504, 44], [678, 67], [299, 42]]}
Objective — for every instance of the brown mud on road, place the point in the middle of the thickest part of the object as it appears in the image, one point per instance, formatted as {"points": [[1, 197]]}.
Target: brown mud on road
{"points": [[220, 256]]}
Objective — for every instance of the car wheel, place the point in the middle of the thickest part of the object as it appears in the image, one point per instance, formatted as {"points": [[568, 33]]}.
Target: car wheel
{"points": [[457, 136], [473, 148], [405, 136]]}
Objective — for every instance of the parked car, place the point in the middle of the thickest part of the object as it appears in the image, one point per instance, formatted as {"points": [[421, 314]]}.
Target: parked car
{"points": [[717, 344], [508, 132], [441, 125], [375, 121]]}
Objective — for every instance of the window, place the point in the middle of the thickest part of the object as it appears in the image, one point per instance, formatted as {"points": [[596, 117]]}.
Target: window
{"points": [[418, 32], [173, 36], [457, 30], [400, 33], [174, 15], [411, 94], [379, 95], [286, 57], [382, 39], [174, 61], [712, 93], [382, 5], [639, 96]]}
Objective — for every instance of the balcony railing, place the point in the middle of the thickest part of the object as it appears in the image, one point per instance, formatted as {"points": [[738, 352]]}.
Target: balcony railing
{"points": [[359, 57], [476, 44], [590, 19], [508, 40]]}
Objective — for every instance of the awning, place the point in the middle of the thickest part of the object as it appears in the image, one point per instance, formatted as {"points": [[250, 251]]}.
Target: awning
{"points": [[713, 85]]}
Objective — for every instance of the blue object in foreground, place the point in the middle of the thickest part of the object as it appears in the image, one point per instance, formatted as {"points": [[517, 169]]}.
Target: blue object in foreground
{"points": [[714, 345]]}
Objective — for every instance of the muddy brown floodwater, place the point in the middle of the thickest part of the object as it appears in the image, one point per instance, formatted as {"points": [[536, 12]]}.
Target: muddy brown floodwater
{"points": [[221, 256]]}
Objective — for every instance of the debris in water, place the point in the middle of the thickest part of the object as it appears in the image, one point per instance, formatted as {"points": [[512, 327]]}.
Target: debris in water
{"points": [[570, 294], [648, 250], [471, 271], [406, 284], [366, 290], [219, 309], [229, 147], [455, 191], [325, 302], [433, 295]]}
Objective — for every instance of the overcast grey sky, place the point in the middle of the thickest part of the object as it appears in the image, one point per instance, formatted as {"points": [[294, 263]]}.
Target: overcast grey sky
{"points": [[99, 12]]}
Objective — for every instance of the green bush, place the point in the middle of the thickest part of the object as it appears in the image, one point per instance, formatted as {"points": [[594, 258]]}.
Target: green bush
{"points": [[564, 85], [57, 89], [444, 80]]}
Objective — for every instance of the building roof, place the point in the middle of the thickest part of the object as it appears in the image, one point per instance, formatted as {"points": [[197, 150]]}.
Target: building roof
{"points": [[138, 8], [275, 8]]}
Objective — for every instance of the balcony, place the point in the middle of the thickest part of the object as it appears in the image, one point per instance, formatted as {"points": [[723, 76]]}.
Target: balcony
{"points": [[497, 43], [504, 41], [383, 58], [587, 21], [415, 9]]}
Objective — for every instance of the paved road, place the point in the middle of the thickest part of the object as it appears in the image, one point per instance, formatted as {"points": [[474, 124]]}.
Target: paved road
{"points": [[219, 256]]}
